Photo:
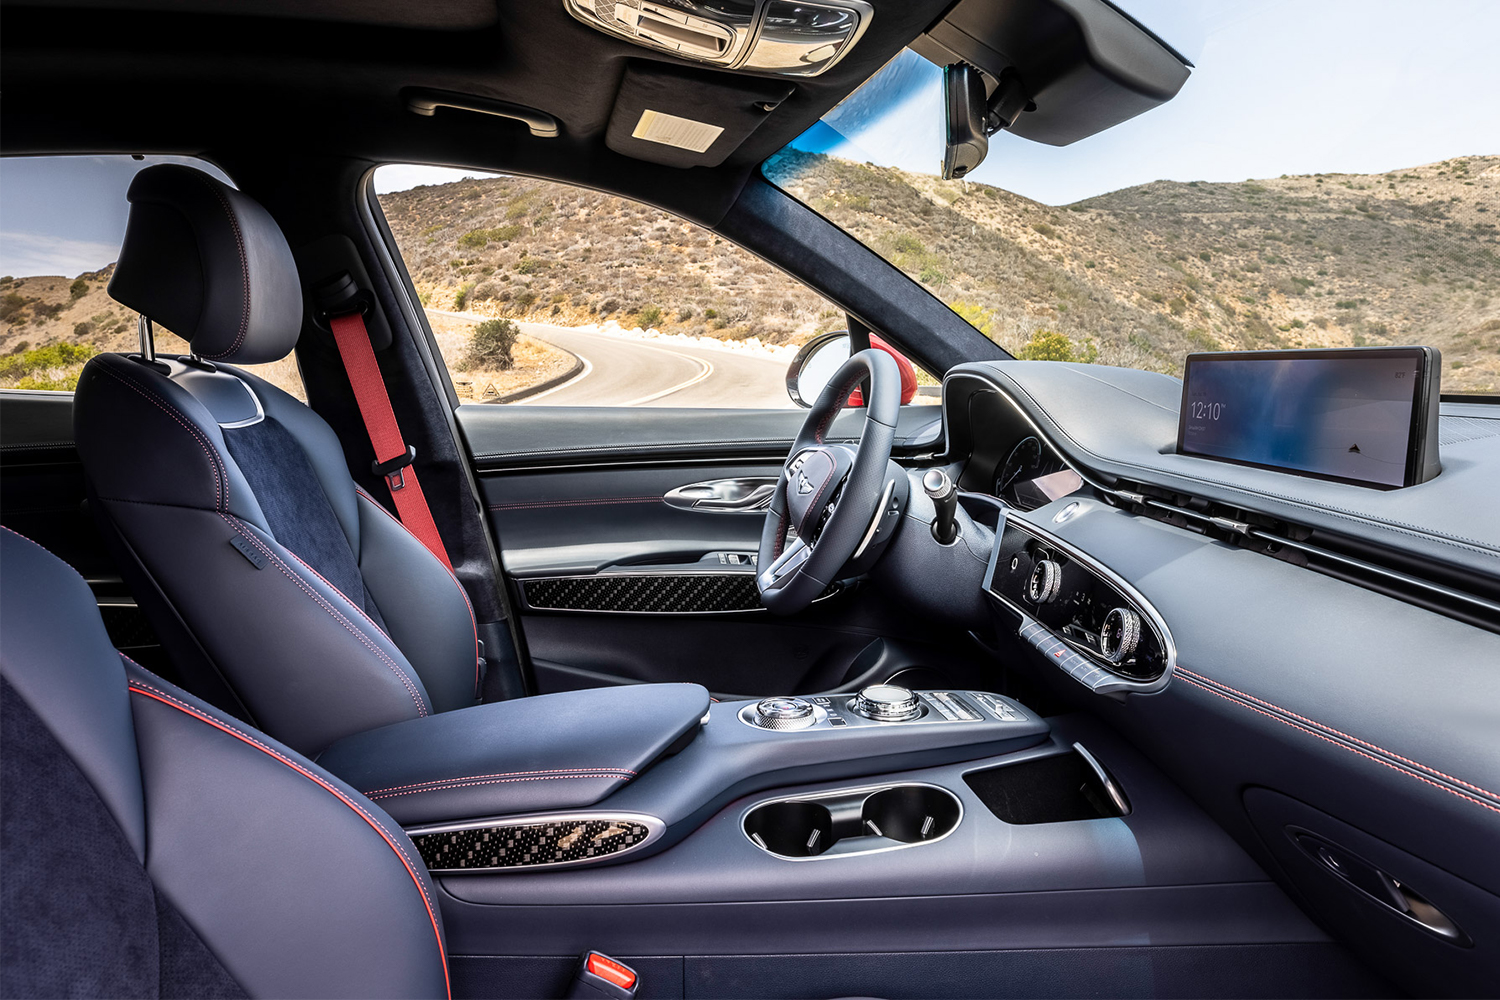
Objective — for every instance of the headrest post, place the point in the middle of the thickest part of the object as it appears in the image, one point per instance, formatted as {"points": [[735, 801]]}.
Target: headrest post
{"points": [[148, 339]]}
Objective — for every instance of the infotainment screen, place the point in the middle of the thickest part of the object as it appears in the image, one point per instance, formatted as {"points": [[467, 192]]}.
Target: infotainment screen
{"points": [[1366, 416]]}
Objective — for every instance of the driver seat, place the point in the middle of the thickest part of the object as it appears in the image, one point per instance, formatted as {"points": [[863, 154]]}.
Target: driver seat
{"points": [[282, 592]]}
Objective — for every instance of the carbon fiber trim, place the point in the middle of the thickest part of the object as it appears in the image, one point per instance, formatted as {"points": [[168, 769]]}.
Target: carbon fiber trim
{"points": [[564, 840], [646, 594]]}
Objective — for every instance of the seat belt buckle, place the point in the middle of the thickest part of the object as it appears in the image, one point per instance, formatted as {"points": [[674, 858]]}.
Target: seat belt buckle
{"points": [[599, 975], [392, 469]]}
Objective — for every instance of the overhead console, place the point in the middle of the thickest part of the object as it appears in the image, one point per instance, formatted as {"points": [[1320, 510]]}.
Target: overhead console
{"points": [[792, 37]]}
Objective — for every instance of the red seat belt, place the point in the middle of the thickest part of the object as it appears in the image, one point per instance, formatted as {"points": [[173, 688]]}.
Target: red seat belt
{"points": [[392, 457]]}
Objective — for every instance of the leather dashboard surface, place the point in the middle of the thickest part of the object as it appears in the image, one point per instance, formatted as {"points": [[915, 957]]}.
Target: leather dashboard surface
{"points": [[1121, 423]]}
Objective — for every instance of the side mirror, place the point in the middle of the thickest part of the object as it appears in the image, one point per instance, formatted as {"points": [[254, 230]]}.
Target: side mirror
{"points": [[820, 357]]}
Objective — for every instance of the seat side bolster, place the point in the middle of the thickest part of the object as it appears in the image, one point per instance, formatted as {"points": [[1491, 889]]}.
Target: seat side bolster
{"points": [[217, 790], [423, 605]]}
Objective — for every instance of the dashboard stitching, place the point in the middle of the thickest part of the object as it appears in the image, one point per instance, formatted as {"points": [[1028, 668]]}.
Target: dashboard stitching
{"points": [[1336, 732], [1328, 739], [1456, 541]]}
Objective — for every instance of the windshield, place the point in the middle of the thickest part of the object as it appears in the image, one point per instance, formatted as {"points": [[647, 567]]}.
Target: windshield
{"points": [[1327, 177]]}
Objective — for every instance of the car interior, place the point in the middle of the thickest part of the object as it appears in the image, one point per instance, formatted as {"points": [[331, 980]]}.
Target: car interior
{"points": [[959, 672]]}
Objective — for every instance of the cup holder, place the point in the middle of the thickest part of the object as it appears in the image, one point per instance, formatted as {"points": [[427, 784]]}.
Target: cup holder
{"points": [[911, 813], [857, 821], [791, 829]]}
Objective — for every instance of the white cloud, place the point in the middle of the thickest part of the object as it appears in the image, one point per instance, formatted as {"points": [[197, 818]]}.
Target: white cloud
{"points": [[29, 254], [400, 176]]}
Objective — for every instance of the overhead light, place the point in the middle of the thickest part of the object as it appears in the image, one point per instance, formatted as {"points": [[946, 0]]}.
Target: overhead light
{"points": [[774, 36]]}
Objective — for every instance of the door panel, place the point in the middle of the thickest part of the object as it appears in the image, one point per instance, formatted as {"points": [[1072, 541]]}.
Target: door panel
{"points": [[617, 583]]}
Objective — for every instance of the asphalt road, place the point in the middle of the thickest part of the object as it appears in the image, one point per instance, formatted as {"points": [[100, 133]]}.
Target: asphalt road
{"points": [[621, 371]]}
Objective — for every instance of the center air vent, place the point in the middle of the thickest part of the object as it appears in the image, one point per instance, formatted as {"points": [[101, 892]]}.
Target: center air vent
{"points": [[777, 36]]}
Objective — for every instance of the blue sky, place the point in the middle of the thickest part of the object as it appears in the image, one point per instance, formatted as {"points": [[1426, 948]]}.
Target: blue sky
{"points": [[1281, 87]]}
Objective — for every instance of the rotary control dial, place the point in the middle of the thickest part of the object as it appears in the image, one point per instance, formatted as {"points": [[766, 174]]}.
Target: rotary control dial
{"points": [[1045, 581], [1119, 635], [784, 713], [887, 703]]}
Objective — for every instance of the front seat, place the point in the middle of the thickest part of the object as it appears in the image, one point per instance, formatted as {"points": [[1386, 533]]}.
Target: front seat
{"points": [[282, 592], [152, 846]]}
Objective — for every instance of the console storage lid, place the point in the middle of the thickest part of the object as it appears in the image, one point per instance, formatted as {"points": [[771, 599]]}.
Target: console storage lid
{"points": [[551, 752]]}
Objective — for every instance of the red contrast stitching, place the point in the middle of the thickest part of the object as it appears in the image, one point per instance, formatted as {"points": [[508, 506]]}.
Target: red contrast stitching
{"points": [[161, 696], [239, 241], [497, 781], [214, 461], [842, 401], [1313, 732], [1352, 739], [286, 571], [361, 611], [473, 621], [582, 502], [562, 771]]}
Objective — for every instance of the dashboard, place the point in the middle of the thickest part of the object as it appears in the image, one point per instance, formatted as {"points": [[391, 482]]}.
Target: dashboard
{"points": [[1313, 661]]}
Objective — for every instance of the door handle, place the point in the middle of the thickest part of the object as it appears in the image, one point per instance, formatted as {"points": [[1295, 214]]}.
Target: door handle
{"points": [[725, 496]]}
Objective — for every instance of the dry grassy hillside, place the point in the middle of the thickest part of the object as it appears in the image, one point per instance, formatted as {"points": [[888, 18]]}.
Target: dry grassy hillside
{"points": [[535, 250], [50, 325], [1137, 277], [1149, 273]]}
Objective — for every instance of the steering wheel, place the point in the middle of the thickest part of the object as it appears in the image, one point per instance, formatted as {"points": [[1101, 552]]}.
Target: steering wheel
{"points": [[828, 495]]}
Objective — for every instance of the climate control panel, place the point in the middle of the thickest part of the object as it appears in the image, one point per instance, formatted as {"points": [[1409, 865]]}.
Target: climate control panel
{"points": [[1082, 617]]}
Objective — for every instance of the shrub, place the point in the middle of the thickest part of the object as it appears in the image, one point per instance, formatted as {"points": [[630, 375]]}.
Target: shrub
{"points": [[650, 316], [531, 265], [710, 314], [975, 315], [684, 314], [907, 243], [608, 306], [11, 306], [490, 346], [932, 276], [1047, 345], [78, 289], [1043, 229], [81, 330], [34, 363], [524, 300]]}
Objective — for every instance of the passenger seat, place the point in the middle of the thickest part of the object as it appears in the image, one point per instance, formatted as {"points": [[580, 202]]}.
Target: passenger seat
{"points": [[156, 847]]}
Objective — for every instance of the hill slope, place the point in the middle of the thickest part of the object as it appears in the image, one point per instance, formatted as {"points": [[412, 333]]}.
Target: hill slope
{"points": [[1136, 277], [1151, 272]]}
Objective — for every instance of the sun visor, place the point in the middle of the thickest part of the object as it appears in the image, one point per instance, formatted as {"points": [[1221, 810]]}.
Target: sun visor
{"points": [[688, 118], [1083, 65]]}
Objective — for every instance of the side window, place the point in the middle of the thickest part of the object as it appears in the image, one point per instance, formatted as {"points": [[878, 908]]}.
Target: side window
{"points": [[542, 292], [62, 220]]}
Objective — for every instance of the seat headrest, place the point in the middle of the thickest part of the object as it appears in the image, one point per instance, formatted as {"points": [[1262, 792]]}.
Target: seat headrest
{"points": [[209, 264]]}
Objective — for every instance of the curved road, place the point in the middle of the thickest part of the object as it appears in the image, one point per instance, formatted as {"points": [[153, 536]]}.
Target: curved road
{"points": [[622, 371]]}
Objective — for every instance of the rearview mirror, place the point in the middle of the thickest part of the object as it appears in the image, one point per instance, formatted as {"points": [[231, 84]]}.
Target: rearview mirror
{"points": [[967, 141], [815, 365]]}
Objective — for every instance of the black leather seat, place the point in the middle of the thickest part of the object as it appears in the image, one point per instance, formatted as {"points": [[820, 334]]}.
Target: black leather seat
{"points": [[281, 591], [155, 847]]}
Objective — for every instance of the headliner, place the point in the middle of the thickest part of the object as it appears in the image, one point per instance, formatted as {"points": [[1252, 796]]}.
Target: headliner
{"points": [[290, 78]]}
